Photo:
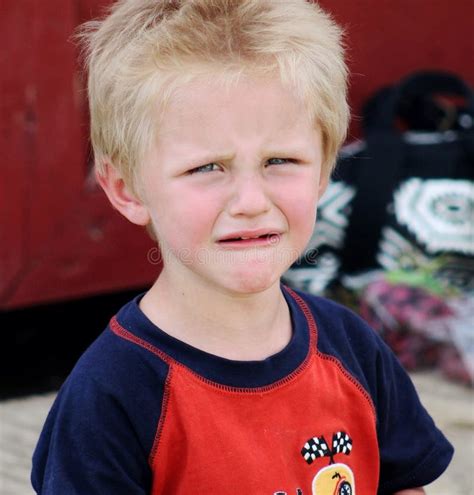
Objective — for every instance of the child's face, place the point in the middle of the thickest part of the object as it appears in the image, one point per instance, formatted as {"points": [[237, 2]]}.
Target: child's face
{"points": [[231, 163]]}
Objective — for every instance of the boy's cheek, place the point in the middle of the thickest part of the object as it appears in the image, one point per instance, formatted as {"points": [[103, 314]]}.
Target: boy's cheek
{"points": [[303, 212], [303, 224]]}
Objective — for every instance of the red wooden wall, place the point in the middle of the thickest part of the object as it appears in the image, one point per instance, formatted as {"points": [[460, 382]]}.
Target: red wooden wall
{"points": [[59, 238]]}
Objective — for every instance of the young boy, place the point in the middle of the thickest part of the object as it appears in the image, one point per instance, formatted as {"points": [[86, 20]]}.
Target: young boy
{"points": [[215, 123]]}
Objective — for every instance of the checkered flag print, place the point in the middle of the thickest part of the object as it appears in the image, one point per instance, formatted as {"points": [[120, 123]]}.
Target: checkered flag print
{"points": [[341, 443], [315, 447], [318, 447]]}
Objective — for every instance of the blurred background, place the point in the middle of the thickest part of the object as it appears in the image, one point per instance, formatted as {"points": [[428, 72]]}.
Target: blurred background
{"points": [[68, 261]]}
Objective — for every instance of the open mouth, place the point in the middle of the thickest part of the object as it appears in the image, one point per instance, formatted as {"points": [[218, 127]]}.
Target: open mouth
{"points": [[236, 239], [261, 240]]}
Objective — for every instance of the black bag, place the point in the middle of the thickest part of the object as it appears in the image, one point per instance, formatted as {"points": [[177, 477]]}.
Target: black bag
{"points": [[403, 198]]}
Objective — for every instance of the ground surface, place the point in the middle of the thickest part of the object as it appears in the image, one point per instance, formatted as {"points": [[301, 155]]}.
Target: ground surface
{"points": [[451, 406]]}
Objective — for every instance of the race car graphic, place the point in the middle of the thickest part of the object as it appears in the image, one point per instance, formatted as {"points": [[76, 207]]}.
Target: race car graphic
{"points": [[337, 478]]}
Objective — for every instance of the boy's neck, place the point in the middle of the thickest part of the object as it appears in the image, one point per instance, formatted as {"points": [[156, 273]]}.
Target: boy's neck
{"points": [[250, 327]]}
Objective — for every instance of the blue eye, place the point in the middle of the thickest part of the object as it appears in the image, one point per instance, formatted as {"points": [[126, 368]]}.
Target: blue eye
{"points": [[209, 167], [279, 161]]}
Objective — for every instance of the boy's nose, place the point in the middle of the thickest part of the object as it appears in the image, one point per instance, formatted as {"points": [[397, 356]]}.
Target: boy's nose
{"points": [[249, 197]]}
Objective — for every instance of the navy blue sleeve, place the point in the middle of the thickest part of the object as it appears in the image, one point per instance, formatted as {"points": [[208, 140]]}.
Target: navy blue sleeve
{"points": [[100, 431], [413, 451]]}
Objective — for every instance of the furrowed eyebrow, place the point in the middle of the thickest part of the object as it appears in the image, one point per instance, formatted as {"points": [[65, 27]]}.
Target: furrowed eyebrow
{"points": [[276, 152], [205, 159], [291, 148]]}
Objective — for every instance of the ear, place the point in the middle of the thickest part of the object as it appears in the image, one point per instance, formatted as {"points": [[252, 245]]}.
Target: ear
{"points": [[121, 197]]}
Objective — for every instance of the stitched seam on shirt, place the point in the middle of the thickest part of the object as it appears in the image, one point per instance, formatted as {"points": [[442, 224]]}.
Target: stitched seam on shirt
{"points": [[352, 379], [125, 334], [120, 331], [161, 421], [312, 327], [327, 357], [254, 390]]}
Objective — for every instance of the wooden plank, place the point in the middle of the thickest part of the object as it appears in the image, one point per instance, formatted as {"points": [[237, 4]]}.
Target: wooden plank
{"points": [[59, 172], [100, 252], [18, 116], [388, 39]]}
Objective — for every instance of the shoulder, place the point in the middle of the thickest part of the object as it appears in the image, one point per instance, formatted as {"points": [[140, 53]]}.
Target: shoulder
{"points": [[333, 314], [341, 332], [346, 337], [119, 365], [124, 378], [105, 415]]}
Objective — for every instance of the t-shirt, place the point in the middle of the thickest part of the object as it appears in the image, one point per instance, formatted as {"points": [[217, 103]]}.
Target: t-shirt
{"points": [[331, 413]]}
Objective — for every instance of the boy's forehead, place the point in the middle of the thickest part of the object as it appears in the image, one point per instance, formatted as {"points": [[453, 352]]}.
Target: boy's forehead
{"points": [[203, 109]]}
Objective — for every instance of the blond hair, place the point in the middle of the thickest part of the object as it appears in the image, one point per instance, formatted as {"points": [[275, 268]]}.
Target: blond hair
{"points": [[143, 49]]}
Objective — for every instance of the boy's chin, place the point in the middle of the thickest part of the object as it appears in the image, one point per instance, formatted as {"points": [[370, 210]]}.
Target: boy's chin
{"points": [[249, 277], [252, 284]]}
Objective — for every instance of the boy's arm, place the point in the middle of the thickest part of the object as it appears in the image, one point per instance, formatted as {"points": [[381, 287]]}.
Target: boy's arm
{"points": [[88, 446], [412, 491], [101, 429], [413, 451]]}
